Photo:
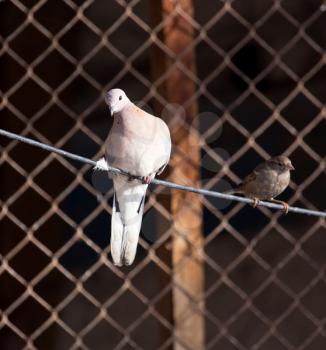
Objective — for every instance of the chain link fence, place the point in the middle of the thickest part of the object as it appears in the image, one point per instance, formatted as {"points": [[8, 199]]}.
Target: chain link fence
{"points": [[259, 78]]}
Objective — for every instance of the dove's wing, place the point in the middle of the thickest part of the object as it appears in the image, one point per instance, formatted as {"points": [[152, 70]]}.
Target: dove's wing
{"points": [[140, 144]]}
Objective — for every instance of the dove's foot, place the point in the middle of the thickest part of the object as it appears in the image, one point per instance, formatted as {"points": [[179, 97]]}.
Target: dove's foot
{"points": [[285, 205], [147, 179], [256, 202]]}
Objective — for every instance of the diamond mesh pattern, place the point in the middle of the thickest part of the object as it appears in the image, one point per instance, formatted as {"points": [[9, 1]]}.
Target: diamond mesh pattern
{"points": [[260, 78]]}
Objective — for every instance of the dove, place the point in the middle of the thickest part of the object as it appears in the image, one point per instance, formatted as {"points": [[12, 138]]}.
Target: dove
{"points": [[268, 180], [140, 144]]}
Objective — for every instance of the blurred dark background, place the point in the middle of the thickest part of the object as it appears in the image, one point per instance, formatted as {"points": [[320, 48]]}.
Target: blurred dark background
{"points": [[260, 89]]}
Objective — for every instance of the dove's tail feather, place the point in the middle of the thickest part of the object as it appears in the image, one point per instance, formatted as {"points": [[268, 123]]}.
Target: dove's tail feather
{"points": [[117, 233], [127, 213]]}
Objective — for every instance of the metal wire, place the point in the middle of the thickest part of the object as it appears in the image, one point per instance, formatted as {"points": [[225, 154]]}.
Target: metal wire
{"points": [[155, 181]]}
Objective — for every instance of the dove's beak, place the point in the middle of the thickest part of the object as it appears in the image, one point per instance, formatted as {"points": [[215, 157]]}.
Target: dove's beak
{"points": [[291, 167], [111, 108], [108, 102], [111, 111]]}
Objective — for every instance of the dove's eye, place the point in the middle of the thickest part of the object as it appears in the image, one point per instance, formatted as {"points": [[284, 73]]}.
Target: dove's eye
{"points": [[120, 98]]}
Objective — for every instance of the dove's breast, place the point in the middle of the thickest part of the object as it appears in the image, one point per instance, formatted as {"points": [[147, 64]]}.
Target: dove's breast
{"points": [[140, 145]]}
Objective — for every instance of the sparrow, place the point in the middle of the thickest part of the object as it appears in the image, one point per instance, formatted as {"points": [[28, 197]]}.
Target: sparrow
{"points": [[267, 181]]}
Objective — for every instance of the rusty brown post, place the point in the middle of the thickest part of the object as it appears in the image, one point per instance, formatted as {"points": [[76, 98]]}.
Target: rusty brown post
{"points": [[187, 242]]}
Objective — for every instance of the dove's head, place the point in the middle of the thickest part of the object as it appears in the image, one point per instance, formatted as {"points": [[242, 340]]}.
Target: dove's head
{"points": [[116, 99], [280, 164]]}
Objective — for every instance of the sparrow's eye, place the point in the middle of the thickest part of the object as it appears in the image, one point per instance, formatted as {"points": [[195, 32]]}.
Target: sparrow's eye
{"points": [[120, 98]]}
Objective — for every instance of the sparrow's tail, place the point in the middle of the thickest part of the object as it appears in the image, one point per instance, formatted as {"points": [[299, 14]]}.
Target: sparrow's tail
{"points": [[127, 213], [236, 190]]}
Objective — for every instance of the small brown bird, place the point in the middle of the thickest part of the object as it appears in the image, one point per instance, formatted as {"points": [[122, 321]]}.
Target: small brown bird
{"points": [[267, 181]]}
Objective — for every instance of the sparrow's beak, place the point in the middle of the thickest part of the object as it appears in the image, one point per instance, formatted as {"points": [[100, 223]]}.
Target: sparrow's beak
{"points": [[291, 167]]}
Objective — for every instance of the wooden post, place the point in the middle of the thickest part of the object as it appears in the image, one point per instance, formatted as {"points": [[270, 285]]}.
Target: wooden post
{"points": [[187, 242]]}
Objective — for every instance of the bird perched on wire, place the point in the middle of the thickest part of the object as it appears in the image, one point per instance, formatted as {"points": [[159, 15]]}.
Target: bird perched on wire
{"points": [[267, 181], [140, 144]]}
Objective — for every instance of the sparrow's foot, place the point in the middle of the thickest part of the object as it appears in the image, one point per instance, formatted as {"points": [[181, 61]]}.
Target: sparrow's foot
{"points": [[148, 179], [256, 202], [285, 205]]}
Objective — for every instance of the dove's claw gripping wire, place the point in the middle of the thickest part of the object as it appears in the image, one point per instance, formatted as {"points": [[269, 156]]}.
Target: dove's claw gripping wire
{"points": [[147, 179]]}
